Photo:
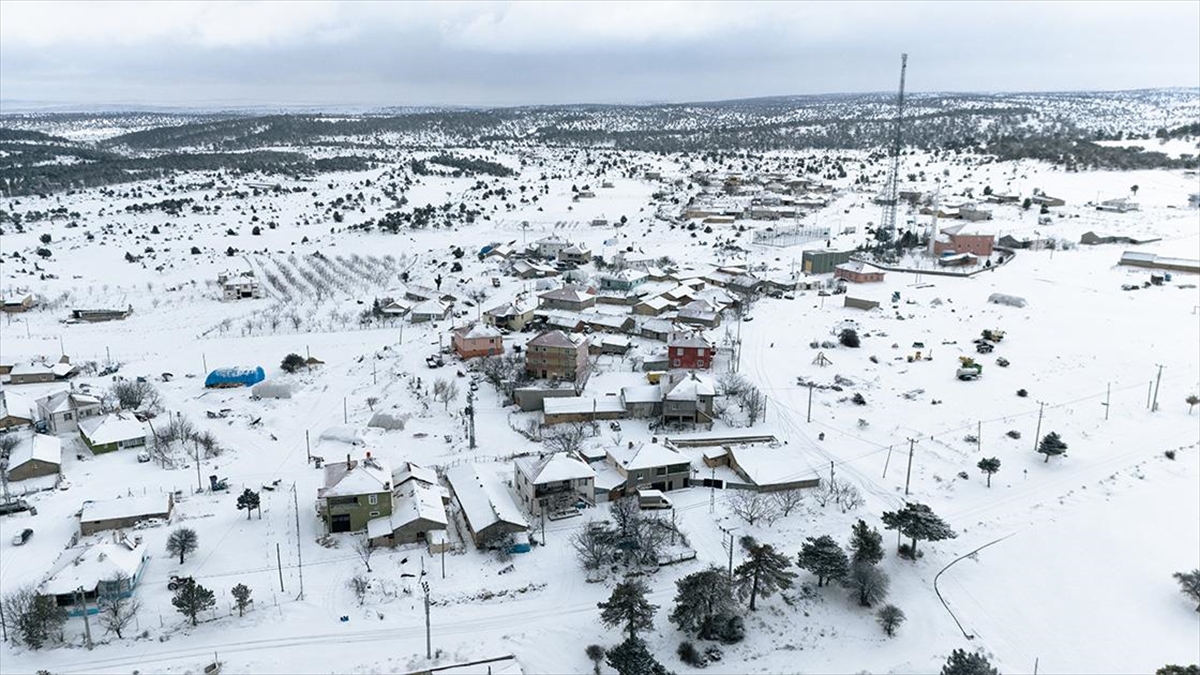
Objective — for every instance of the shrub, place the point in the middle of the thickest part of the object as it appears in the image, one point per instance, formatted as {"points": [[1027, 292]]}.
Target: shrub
{"points": [[690, 655], [858, 399], [1022, 393], [292, 363], [849, 338]]}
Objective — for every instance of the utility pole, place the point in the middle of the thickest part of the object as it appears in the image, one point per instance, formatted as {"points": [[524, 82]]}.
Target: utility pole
{"points": [[712, 489], [1038, 434], [203, 359], [908, 474], [428, 638], [979, 437], [1157, 381], [307, 447], [831, 472], [196, 452], [87, 626], [279, 566], [471, 418], [1107, 400], [374, 370], [299, 557], [887, 461], [810, 391], [345, 415], [1149, 390]]}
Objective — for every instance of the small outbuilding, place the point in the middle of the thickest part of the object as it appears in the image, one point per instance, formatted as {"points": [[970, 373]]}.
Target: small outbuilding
{"points": [[123, 513], [39, 455], [112, 432]]}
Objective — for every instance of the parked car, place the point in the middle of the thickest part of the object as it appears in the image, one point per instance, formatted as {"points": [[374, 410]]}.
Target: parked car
{"points": [[14, 506], [23, 537]]}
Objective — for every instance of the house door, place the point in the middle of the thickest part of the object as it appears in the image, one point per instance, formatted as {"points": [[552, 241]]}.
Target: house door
{"points": [[340, 523], [660, 486]]}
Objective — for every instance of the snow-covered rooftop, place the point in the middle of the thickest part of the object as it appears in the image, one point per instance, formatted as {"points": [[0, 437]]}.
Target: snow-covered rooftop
{"points": [[112, 429], [85, 567], [369, 475], [41, 447], [577, 404], [125, 507], [554, 468], [646, 456], [766, 465], [484, 500]]}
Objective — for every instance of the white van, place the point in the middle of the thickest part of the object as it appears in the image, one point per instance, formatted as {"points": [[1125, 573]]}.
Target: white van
{"points": [[653, 499]]}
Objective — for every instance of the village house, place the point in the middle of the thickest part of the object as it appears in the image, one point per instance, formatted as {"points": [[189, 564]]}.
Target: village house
{"points": [[626, 280], [102, 570], [772, 469], [124, 512], [689, 399], [63, 411], [858, 272], [429, 310], [958, 239], [554, 354], [31, 373], [1047, 201], [418, 514], [700, 313], [100, 315], [553, 484], [656, 329], [1118, 205], [239, 286], [15, 410], [642, 401], [654, 306], [560, 410], [972, 213], [690, 351], [15, 303], [823, 262], [576, 254], [35, 456], [510, 316], [529, 269], [112, 432], [570, 297], [609, 344], [488, 510], [477, 340], [550, 247], [355, 491], [501, 251], [744, 284], [650, 465]]}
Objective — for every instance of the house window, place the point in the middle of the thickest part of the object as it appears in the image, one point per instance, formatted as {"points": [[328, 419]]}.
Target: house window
{"points": [[373, 514], [700, 363], [660, 471], [373, 499], [675, 363]]}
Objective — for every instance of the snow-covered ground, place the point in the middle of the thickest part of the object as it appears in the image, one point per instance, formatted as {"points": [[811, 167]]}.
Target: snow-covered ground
{"points": [[1081, 581]]}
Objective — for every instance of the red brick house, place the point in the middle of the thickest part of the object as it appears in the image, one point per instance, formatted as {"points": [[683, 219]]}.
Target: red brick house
{"points": [[858, 272], [477, 340], [958, 240], [691, 352]]}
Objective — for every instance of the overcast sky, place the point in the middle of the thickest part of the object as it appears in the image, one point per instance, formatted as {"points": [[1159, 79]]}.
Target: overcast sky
{"points": [[511, 53]]}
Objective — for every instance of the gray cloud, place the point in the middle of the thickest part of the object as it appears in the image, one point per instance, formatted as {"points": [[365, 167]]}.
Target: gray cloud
{"points": [[367, 54]]}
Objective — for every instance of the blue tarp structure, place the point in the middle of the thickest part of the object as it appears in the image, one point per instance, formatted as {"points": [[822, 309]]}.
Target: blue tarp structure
{"points": [[235, 377]]}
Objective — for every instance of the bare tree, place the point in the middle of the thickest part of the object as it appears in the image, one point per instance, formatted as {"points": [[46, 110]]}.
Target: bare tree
{"points": [[567, 437], [7, 443], [591, 548], [754, 404], [371, 401], [445, 391], [359, 585], [732, 384], [117, 611], [35, 619], [296, 320], [787, 501], [136, 395], [364, 550], [751, 506]]}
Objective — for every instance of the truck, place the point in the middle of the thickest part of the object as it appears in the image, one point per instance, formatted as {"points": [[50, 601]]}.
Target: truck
{"points": [[969, 370]]}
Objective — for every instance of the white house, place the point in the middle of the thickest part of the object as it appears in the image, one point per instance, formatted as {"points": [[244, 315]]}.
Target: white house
{"points": [[553, 483], [64, 410], [239, 286]]}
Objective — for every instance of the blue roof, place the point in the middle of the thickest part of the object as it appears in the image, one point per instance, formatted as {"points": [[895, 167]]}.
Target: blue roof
{"points": [[245, 376]]}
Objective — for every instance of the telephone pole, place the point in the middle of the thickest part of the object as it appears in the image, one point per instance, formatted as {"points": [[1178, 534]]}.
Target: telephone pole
{"points": [[299, 557], [908, 475], [1037, 434], [810, 391], [1157, 381], [1107, 400], [87, 626], [428, 638], [471, 417]]}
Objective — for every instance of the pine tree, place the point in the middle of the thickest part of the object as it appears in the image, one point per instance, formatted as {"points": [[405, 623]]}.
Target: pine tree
{"points": [[1189, 584], [241, 597], [191, 599], [765, 572], [963, 663], [181, 542], [627, 607], [823, 557], [595, 654], [989, 465], [700, 598], [866, 544], [249, 500], [866, 583], [919, 523], [1052, 445], [631, 657], [890, 617]]}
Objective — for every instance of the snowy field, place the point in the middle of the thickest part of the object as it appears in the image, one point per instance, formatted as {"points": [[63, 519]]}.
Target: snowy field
{"points": [[1079, 581]]}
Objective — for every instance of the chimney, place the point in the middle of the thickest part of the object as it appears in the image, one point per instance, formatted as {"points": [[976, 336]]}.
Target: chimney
{"points": [[368, 454], [348, 464]]}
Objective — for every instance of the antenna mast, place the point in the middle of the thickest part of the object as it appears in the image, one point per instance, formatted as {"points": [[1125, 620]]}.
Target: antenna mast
{"points": [[892, 193]]}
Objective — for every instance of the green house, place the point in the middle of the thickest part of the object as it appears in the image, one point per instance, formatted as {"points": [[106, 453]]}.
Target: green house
{"points": [[355, 492], [112, 432]]}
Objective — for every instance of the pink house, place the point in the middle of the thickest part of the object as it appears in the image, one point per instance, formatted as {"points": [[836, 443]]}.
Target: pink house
{"points": [[477, 340]]}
